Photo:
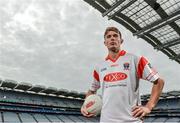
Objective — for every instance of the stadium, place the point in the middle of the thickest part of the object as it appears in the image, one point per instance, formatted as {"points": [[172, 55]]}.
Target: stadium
{"points": [[155, 21], [24, 103]]}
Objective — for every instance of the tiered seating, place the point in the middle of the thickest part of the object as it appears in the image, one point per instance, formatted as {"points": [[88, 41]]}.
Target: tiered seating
{"points": [[162, 104], [65, 118], [53, 118], [166, 111], [35, 99], [23, 107], [10, 117], [160, 120], [173, 120], [157, 119], [40, 118], [173, 103], [84, 119], [148, 119], [26, 117]]}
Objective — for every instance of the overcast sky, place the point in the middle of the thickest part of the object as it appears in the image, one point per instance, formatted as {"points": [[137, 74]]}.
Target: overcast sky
{"points": [[57, 43]]}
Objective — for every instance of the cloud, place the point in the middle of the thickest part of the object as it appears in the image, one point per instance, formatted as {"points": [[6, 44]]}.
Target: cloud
{"points": [[57, 43]]}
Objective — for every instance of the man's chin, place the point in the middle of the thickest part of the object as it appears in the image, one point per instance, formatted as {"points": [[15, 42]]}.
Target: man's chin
{"points": [[114, 49]]}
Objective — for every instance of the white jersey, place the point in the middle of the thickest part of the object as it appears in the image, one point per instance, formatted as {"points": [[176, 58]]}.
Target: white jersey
{"points": [[119, 80]]}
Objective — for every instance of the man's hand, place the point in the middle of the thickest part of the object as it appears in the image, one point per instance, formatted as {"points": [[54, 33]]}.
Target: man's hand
{"points": [[85, 113], [83, 108], [140, 111]]}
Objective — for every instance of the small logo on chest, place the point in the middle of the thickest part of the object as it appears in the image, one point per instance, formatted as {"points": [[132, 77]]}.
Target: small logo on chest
{"points": [[126, 66]]}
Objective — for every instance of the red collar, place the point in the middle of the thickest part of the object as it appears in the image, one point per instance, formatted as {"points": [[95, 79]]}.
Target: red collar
{"points": [[121, 53]]}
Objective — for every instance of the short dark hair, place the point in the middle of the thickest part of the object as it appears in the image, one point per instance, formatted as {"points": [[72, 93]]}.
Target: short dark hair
{"points": [[112, 29]]}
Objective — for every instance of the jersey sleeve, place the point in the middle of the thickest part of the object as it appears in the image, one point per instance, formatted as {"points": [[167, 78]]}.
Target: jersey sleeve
{"points": [[96, 80], [145, 70]]}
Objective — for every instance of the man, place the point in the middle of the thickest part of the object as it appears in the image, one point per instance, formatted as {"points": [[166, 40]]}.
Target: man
{"points": [[118, 76]]}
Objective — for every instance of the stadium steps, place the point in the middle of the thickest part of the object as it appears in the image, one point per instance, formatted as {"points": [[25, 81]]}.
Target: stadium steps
{"points": [[1, 118], [53, 118], [26, 117], [11, 117]]}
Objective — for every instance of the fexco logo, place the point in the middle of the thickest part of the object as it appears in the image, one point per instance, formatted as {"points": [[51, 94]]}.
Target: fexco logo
{"points": [[112, 77]]}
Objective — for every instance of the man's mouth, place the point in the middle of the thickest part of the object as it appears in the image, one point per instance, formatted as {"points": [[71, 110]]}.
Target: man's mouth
{"points": [[112, 43]]}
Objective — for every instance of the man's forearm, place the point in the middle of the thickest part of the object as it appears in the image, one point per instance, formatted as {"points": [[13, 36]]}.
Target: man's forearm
{"points": [[90, 92], [155, 93]]}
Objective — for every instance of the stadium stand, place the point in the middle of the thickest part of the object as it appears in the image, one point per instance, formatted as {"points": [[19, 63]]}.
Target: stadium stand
{"points": [[22, 103], [155, 21], [167, 109], [25, 103]]}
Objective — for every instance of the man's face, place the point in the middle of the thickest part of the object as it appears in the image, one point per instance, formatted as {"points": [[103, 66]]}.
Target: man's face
{"points": [[113, 41]]}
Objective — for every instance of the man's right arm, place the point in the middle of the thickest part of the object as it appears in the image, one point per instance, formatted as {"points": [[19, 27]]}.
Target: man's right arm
{"points": [[90, 92], [94, 87]]}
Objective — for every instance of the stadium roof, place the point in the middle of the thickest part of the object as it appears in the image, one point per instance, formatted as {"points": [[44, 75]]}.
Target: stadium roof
{"points": [[23, 86], [9, 83], [27, 87], [155, 21]]}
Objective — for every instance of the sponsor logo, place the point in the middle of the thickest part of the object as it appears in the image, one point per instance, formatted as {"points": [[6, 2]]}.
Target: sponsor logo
{"points": [[90, 104], [112, 77], [103, 69], [126, 66], [117, 85]]}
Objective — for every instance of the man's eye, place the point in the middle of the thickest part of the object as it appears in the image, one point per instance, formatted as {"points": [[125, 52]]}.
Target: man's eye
{"points": [[115, 35], [108, 36]]}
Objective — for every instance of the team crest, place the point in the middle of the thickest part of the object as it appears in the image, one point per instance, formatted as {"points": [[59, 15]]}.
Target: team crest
{"points": [[126, 66]]}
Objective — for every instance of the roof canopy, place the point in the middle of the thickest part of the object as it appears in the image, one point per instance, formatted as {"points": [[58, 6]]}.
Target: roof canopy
{"points": [[155, 21], [27, 87]]}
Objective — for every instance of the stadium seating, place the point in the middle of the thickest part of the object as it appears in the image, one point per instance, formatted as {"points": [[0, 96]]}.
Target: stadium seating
{"points": [[25, 106]]}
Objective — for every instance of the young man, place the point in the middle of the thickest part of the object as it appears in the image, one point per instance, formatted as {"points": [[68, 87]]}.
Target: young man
{"points": [[118, 76]]}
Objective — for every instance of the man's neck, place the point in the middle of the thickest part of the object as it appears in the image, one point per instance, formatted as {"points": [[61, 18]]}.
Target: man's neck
{"points": [[114, 55]]}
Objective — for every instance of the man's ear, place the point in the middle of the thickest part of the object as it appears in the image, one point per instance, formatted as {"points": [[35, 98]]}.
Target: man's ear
{"points": [[122, 40], [105, 43]]}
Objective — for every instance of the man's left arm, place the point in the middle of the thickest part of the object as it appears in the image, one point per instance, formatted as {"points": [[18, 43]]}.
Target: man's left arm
{"points": [[155, 93], [141, 111]]}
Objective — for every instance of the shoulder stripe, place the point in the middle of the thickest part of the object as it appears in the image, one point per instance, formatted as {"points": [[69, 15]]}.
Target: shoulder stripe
{"points": [[96, 76], [141, 65]]}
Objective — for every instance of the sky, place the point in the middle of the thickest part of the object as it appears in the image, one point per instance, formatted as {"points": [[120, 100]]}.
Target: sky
{"points": [[57, 43]]}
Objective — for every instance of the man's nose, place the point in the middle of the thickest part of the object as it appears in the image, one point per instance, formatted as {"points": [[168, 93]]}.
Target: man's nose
{"points": [[112, 38]]}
